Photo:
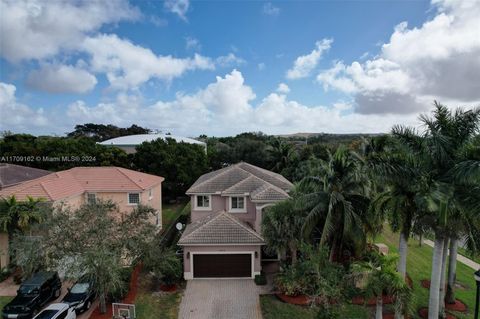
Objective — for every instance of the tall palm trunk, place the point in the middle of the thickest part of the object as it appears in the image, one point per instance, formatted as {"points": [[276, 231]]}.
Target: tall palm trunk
{"points": [[402, 265], [434, 298], [452, 271], [379, 308], [441, 307]]}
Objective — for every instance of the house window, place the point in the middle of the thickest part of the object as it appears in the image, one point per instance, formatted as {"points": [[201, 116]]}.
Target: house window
{"points": [[203, 202], [150, 195], [133, 198], [237, 204], [91, 198]]}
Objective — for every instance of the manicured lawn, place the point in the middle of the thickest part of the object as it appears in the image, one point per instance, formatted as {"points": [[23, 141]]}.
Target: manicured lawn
{"points": [[272, 308], [463, 251], [153, 306], [419, 264], [4, 301]]}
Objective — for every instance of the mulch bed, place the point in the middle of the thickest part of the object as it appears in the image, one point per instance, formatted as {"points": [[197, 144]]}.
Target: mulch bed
{"points": [[458, 306], [423, 313], [129, 298], [168, 288], [372, 301], [301, 300]]}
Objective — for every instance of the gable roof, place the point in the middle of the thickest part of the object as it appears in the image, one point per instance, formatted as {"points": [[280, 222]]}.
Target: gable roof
{"points": [[220, 228], [243, 178], [78, 180], [11, 174]]}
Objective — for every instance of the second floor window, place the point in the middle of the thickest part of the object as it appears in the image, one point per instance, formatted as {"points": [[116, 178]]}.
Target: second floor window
{"points": [[91, 198], [203, 201], [237, 203], [133, 198]]}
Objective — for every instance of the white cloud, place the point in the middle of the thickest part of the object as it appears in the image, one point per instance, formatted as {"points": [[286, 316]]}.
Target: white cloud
{"points": [[17, 116], [41, 29], [283, 88], [229, 60], [305, 64], [128, 65], [270, 9], [179, 7], [158, 22], [192, 44], [56, 78], [226, 106], [261, 66], [436, 60]]}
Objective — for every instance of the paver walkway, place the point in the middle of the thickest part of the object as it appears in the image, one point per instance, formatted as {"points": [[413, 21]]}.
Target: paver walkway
{"points": [[464, 260], [220, 299]]}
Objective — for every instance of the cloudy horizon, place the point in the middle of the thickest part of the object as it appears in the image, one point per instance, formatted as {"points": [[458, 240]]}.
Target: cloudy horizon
{"points": [[194, 68]]}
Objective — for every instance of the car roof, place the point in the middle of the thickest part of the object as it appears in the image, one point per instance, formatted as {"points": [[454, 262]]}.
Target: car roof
{"points": [[39, 278], [57, 306]]}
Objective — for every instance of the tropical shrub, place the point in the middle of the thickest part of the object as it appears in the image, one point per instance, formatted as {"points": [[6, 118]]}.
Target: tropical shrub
{"points": [[292, 280], [313, 275], [164, 265]]}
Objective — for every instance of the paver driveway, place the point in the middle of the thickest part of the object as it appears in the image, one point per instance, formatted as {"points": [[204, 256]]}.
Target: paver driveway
{"points": [[220, 299]]}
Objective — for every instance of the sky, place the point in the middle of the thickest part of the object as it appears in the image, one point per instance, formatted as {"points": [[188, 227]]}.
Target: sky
{"points": [[225, 67]]}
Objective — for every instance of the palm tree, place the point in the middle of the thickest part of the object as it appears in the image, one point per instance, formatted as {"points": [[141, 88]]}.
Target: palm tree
{"points": [[382, 278], [401, 176], [441, 149], [18, 216], [281, 228], [338, 202], [282, 154]]}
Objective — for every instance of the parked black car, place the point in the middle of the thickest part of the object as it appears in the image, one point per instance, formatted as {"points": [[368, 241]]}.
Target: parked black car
{"points": [[33, 294], [81, 295]]}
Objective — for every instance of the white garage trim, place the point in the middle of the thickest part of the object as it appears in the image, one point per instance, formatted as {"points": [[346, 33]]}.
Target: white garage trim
{"points": [[188, 276]]}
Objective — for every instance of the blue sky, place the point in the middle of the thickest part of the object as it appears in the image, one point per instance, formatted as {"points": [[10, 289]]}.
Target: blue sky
{"points": [[214, 67]]}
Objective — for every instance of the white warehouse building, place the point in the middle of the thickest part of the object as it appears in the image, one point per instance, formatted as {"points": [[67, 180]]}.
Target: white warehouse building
{"points": [[129, 142]]}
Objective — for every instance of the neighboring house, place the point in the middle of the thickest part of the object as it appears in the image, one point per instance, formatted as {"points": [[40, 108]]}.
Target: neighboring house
{"points": [[129, 142], [11, 174], [224, 238], [80, 185]]}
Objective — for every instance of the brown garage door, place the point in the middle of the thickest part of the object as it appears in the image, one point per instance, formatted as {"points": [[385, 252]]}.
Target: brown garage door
{"points": [[218, 266]]}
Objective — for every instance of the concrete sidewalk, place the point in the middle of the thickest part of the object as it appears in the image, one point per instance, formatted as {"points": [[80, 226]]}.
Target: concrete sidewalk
{"points": [[464, 260]]}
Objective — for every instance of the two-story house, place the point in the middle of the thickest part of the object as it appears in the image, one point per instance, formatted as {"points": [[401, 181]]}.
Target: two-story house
{"points": [[79, 185], [224, 238]]}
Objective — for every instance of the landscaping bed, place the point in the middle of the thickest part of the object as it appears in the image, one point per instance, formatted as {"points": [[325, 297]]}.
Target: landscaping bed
{"points": [[419, 263], [273, 308]]}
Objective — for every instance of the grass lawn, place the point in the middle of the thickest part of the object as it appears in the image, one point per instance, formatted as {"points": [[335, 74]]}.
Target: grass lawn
{"points": [[272, 308], [150, 306], [4, 301], [170, 212], [464, 252], [419, 265]]}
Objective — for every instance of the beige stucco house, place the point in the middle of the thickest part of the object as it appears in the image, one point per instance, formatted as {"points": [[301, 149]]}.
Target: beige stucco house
{"points": [[224, 238], [79, 185]]}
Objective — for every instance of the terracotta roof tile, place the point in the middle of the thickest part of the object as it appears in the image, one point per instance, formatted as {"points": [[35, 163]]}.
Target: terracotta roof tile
{"points": [[78, 180]]}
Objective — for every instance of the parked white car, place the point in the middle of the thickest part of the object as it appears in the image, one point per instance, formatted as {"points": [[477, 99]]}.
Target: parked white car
{"points": [[57, 311]]}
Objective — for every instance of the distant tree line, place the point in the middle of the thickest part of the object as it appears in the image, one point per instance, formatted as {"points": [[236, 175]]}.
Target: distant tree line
{"points": [[180, 163]]}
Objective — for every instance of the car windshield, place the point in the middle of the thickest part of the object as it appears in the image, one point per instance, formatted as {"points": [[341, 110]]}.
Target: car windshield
{"points": [[46, 314], [79, 288], [28, 289]]}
